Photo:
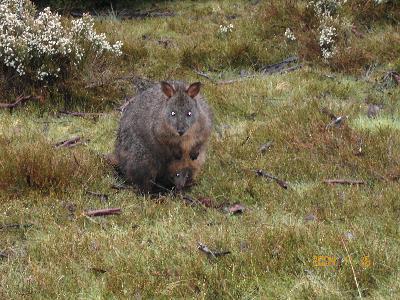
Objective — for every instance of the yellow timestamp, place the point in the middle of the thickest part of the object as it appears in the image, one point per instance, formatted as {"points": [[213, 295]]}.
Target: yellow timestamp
{"points": [[334, 261]]}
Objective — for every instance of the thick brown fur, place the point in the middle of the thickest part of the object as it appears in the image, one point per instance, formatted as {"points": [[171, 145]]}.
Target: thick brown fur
{"points": [[161, 125]]}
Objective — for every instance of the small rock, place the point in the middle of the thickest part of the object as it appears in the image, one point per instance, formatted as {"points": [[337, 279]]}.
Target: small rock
{"points": [[207, 202], [265, 147], [373, 110], [349, 235], [244, 246], [310, 218], [236, 209]]}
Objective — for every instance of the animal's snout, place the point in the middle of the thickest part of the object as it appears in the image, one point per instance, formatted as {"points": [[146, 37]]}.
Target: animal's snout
{"points": [[181, 131]]}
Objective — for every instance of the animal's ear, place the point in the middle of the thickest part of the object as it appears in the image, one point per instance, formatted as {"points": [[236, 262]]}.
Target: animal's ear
{"points": [[167, 89], [193, 89]]}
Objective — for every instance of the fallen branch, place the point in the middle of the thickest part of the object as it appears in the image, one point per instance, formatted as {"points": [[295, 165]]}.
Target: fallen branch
{"points": [[336, 121], [202, 74], [221, 82], [15, 226], [80, 114], [103, 212], [102, 197], [18, 102], [278, 67], [281, 68], [160, 186], [111, 81], [147, 14], [119, 187], [189, 200], [344, 181], [207, 251], [68, 143], [356, 32], [281, 182]]}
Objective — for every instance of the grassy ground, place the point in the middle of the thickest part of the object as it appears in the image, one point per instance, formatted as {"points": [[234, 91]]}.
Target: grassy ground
{"points": [[150, 250]]}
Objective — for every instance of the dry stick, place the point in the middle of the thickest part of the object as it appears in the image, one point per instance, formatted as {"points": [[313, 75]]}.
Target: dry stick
{"points": [[352, 268], [16, 226], [160, 186], [19, 101], [68, 143], [344, 181], [280, 71], [119, 187], [265, 71], [102, 212], [221, 82], [112, 80], [277, 67], [206, 250], [203, 75], [356, 32], [148, 14], [281, 182], [80, 114], [102, 197]]}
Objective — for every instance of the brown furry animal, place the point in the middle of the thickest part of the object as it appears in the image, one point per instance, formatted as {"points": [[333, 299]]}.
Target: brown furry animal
{"points": [[158, 127]]}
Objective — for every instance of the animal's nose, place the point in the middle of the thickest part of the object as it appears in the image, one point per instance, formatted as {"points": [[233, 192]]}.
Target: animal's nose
{"points": [[181, 131]]}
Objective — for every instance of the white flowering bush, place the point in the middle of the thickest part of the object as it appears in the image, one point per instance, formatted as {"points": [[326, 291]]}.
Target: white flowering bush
{"points": [[41, 46], [327, 12], [225, 29], [289, 34]]}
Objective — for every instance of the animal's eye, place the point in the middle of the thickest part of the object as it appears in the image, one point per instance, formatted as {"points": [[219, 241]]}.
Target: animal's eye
{"points": [[172, 113], [177, 174], [189, 113]]}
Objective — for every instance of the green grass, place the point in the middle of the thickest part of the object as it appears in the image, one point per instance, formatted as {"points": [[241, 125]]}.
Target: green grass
{"points": [[150, 250]]}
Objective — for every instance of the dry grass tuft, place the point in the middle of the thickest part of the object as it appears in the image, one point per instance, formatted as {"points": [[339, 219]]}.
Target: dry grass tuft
{"points": [[31, 162]]}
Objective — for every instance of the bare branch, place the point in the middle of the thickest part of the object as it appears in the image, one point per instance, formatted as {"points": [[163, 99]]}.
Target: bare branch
{"points": [[103, 212]]}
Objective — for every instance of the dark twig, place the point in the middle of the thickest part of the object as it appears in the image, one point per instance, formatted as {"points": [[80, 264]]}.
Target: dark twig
{"points": [[203, 75], [18, 102], [68, 143], [336, 122], [80, 114], [16, 226], [103, 212], [147, 14], [344, 181], [102, 197], [189, 200], [329, 113], [356, 32], [278, 67], [111, 81], [207, 251], [121, 186], [281, 182], [281, 68], [160, 186], [221, 82]]}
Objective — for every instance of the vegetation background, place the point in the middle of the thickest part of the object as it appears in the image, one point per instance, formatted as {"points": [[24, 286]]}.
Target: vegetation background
{"points": [[49, 249]]}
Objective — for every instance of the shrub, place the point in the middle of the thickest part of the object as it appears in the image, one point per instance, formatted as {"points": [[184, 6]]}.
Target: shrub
{"points": [[29, 161], [41, 47], [322, 31]]}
